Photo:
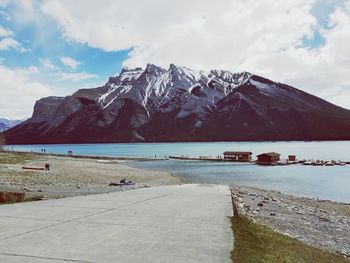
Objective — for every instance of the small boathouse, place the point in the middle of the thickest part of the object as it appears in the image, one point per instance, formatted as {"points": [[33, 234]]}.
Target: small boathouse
{"points": [[292, 158], [238, 156], [268, 158]]}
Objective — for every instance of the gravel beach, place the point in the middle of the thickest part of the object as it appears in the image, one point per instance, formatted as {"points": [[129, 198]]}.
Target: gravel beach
{"points": [[320, 223], [73, 176]]}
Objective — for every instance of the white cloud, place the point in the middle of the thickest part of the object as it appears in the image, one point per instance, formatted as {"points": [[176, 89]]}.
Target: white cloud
{"points": [[323, 71], [19, 91], [47, 64], [27, 4], [9, 43], [74, 76], [4, 3], [69, 62], [264, 37], [61, 75], [5, 32], [29, 71], [164, 30]]}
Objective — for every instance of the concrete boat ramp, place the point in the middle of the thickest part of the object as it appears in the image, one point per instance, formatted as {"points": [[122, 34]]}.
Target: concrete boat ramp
{"points": [[184, 223]]}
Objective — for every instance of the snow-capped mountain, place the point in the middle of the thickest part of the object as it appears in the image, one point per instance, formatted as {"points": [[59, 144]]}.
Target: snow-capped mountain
{"points": [[180, 104], [6, 124]]}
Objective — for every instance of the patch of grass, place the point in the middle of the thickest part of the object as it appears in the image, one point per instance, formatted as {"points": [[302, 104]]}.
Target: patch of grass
{"points": [[257, 243], [16, 158]]}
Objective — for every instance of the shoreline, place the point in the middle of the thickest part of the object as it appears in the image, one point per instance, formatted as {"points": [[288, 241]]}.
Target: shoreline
{"points": [[320, 223], [73, 176], [81, 156]]}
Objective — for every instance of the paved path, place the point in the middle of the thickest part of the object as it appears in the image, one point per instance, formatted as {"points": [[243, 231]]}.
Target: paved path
{"points": [[187, 223]]}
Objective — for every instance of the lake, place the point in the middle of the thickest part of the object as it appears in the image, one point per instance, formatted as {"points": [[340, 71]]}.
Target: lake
{"points": [[312, 181]]}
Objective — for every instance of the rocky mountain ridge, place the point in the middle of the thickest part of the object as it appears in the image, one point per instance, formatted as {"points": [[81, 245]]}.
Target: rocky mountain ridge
{"points": [[180, 104]]}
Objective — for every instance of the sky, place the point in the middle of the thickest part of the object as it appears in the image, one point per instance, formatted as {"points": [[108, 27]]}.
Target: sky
{"points": [[55, 47]]}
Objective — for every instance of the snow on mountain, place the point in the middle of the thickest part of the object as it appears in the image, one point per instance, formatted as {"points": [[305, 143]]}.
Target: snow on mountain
{"points": [[155, 88], [178, 103], [6, 124]]}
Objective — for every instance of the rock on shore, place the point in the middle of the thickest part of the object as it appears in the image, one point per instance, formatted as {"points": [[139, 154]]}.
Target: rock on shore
{"points": [[320, 223]]}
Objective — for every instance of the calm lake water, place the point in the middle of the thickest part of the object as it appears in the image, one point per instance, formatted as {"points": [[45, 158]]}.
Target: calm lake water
{"points": [[312, 181]]}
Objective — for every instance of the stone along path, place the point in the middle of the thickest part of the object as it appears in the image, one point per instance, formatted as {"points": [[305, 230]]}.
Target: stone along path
{"points": [[184, 223]]}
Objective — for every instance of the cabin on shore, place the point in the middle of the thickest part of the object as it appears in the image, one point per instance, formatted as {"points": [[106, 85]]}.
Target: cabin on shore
{"points": [[268, 158], [238, 156], [292, 158]]}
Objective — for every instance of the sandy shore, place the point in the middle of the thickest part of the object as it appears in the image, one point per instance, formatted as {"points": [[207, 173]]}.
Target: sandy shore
{"points": [[320, 223], [73, 176]]}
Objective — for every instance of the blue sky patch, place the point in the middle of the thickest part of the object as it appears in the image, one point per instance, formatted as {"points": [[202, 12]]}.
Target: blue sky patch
{"points": [[321, 11]]}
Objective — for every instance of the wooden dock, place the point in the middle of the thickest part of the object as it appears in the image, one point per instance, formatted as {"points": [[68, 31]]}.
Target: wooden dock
{"points": [[188, 158], [279, 163], [204, 158]]}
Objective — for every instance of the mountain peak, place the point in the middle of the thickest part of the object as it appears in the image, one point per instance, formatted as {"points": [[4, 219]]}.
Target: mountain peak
{"points": [[173, 67], [129, 69], [154, 69], [128, 74], [225, 74]]}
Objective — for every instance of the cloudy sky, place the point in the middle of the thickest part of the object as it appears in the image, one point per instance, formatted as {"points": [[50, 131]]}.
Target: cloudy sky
{"points": [[54, 47]]}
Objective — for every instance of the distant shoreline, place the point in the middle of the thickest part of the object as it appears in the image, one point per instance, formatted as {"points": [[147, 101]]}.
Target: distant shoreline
{"points": [[82, 156]]}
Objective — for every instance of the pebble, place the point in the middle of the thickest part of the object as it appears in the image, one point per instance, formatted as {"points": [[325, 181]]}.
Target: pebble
{"points": [[324, 219], [39, 198], [247, 206], [260, 204], [272, 214]]}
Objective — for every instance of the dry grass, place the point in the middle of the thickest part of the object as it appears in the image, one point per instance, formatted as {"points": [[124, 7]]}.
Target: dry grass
{"points": [[11, 197], [18, 197], [257, 243], [16, 158]]}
